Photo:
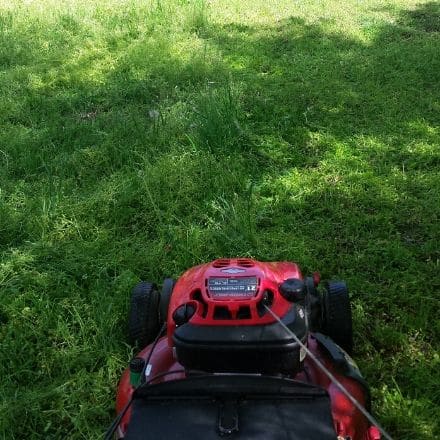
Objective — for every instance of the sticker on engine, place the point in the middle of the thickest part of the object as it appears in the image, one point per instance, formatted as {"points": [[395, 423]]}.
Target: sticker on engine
{"points": [[232, 287]]}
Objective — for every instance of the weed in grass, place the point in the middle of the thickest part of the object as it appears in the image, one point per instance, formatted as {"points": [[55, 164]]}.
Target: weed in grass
{"points": [[198, 17], [217, 119]]}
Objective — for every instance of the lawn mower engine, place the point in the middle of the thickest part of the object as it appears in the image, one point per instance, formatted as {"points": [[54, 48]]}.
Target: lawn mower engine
{"points": [[218, 322], [247, 345]]}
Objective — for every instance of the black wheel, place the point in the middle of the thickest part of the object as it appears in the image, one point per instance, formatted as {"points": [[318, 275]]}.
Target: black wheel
{"points": [[165, 296], [337, 321], [143, 320]]}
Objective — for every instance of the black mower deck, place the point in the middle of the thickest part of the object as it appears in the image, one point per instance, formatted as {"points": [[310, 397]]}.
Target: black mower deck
{"points": [[231, 406]]}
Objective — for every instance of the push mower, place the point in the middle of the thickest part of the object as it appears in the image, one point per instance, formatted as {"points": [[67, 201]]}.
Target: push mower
{"points": [[251, 351]]}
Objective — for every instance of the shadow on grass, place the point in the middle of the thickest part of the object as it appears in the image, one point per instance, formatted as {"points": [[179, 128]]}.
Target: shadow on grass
{"points": [[290, 141], [425, 18]]}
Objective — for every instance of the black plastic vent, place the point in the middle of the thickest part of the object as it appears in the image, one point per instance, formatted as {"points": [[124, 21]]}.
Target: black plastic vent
{"points": [[222, 312], [244, 312], [266, 300]]}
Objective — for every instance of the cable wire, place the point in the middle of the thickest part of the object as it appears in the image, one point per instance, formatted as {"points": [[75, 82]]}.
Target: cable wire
{"points": [[156, 340], [372, 420]]}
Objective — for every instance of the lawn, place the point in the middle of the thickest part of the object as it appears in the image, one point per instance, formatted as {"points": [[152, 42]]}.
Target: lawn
{"points": [[139, 138]]}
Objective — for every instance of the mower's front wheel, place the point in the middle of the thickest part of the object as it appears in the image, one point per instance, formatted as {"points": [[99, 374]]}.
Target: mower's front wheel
{"points": [[337, 320], [143, 319]]}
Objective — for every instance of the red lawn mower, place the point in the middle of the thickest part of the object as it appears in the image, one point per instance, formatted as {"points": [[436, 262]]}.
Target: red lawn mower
{"points": [[252, 350]]}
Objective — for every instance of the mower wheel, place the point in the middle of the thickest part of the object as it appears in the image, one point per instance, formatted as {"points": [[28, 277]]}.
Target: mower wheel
{"points": [[337, 321], [143, 320], [165, 296]]}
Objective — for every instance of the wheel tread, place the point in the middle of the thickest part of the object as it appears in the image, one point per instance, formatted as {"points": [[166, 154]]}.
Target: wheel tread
{"points": [[143, 323], [338, 320]]}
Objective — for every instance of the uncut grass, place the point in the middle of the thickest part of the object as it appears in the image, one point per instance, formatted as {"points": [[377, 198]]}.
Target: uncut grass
{"points": [[138, 139]]}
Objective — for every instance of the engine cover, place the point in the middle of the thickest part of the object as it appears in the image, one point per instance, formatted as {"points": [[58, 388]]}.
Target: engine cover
{"points": [[217, 320]]}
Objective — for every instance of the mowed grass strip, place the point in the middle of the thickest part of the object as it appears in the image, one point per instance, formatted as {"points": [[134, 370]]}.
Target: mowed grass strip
{"points": [[140, 138]]}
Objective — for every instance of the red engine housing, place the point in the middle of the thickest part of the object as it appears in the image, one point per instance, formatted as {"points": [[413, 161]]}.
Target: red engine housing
{"points": [[217, 321], [193, 288]]}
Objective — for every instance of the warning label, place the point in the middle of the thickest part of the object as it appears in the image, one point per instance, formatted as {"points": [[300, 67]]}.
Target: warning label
{"points": [[232, 288]]}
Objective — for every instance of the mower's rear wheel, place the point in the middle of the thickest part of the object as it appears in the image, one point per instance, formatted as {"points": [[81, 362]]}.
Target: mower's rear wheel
{"points": [[143, 320], [337, 320], [165, 296]]}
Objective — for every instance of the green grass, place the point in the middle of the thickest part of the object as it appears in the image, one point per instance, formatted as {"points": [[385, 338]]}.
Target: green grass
{"points": [[139, 138]]}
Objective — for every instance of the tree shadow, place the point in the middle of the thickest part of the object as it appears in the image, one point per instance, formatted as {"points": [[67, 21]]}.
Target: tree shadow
{"points": [[425, 17]]}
